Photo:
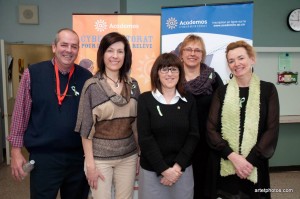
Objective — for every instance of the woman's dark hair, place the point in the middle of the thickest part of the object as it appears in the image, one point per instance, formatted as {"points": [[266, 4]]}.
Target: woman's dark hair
{"points": [[167, 60], [107, 41]]}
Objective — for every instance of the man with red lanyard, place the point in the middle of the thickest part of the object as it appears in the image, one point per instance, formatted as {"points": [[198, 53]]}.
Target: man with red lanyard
{"points": [[44, 119]]}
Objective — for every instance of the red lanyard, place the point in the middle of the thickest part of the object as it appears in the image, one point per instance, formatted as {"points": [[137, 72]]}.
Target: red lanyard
{"points": [[59, 96]]}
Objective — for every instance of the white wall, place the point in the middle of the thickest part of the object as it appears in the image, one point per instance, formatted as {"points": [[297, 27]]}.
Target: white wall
{"points": [[53, 15], [154, 6], [270, 16]]}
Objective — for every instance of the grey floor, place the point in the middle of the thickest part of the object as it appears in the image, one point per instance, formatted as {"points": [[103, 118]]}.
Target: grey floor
{"points": [[285, 185]]}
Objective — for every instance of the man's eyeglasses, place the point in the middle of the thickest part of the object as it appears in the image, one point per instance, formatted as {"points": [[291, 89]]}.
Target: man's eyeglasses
{"points": [[165, 70], [190, 50]]}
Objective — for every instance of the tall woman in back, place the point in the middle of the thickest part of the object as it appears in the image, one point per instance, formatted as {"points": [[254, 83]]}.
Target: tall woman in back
{"points": [[201, 81]]}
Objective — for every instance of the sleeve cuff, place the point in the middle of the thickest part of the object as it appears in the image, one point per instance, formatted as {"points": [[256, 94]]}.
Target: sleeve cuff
{"points": [[226, 152]]}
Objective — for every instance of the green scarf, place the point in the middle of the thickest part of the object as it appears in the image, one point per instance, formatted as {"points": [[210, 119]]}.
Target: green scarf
{"points": [[231, 122]]}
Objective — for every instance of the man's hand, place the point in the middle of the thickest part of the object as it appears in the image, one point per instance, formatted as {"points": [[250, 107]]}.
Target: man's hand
{"points": [[17, 162]]}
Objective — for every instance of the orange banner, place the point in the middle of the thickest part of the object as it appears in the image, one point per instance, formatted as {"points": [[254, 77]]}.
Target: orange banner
{"points": [[142, 32]]}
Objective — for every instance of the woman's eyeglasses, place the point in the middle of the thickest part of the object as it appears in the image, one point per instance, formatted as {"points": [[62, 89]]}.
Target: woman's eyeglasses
{"points": [[190, 50], [165, 70]]}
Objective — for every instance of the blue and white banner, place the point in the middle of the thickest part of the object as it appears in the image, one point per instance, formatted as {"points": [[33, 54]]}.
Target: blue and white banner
{"points": [[218, 25]]}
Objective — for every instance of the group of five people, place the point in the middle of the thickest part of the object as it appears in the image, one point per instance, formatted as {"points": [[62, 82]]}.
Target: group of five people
{"points": [[189, 137]]}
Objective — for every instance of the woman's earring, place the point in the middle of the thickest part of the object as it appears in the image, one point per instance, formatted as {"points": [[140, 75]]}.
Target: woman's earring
{"points": [[230, 76], [252, 69]]}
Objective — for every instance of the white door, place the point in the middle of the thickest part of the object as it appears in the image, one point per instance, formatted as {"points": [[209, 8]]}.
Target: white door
{"points": [[5, 58]]}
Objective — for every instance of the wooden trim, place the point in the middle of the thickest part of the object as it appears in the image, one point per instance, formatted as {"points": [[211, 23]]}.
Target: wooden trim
{"points": [[290, 119], [276, 49], [284, 168]]}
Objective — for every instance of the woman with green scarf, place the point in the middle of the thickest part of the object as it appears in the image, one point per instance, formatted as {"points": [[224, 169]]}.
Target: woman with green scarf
{"points": [[242, 129]]}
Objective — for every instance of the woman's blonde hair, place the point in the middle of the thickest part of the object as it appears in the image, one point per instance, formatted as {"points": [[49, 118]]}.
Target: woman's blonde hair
{"points": [[241, 44], [193, 38]]}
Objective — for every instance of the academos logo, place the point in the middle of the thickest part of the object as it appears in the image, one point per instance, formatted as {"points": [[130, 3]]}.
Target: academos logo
{"points": [[171, 23], [100, 25]]}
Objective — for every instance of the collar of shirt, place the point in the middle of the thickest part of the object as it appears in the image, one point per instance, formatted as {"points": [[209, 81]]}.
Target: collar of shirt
{"points": [[160, 98]]}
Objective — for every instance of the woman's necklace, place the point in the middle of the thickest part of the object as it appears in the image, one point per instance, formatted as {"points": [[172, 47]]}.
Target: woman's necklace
{"points": [[115, 82]]}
